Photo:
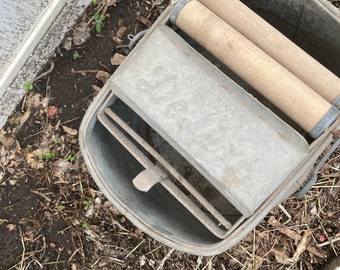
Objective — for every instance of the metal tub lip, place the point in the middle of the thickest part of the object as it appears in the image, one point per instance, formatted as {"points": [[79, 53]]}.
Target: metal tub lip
{"points": [[289, 186]]}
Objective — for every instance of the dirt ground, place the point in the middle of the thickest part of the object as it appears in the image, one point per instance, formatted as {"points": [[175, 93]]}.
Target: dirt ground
{"points": [[53, 216]]}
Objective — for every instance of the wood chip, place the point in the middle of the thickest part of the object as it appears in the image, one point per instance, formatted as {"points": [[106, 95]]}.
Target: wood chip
{"points": [[117, 39], [96, 88], [70, 131], [121, 31], [117, 59], [145, 21], [103, 76]]}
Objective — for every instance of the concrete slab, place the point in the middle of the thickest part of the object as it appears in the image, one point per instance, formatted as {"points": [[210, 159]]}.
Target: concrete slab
{"points": [[29, 32]]}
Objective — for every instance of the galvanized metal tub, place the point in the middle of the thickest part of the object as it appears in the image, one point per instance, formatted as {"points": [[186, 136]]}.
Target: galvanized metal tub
{"points": [[169, 119]]}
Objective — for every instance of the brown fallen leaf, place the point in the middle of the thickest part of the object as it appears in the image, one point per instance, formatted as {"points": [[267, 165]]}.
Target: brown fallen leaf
{"points": [[295, 236], [70, 131], [302, 245], [121, 31], [281, 256], [112, 3], [316, 252], [117, 59], [103, 76], [6, 141], [80, 33], [32, 159]]}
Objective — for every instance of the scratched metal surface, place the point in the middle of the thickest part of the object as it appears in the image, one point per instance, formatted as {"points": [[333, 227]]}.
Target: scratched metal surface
{"points": [[241, 147]]}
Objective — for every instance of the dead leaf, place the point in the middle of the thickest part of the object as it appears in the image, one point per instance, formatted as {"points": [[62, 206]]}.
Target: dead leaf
{"points": [[61, 167], [7, 142], [103, 76], [302, 245], [36, 100], [316, 252], [285, 230], [112, 3], [291, 234], [80, 33], [121, 31], [70, 131], [67, 44], [117, 59], [32, 159], [281, 256], [11, 227]]}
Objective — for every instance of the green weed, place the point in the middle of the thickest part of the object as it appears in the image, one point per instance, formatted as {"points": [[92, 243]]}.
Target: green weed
{"points": [[47, 155], [98, 22], [28, 86]]}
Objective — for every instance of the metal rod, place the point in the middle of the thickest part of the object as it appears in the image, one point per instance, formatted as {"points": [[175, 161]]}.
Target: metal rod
{"points": [[205, 203], [167, 184]]}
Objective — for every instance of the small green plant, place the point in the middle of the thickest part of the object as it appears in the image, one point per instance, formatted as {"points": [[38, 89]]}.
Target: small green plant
{"points": [[47, 155], [76, 55], [57, 140], [94, 2], [61, 207], [28, 86], [85, 225], [98, 22], [86, 202], [71, 158]]}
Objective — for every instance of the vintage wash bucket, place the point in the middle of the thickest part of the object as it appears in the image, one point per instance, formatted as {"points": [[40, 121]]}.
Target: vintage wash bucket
{"points": [[189, 151]]}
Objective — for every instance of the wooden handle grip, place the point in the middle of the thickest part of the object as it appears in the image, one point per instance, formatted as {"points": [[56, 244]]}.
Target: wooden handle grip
{"points": [[262, 72], [284, 51]]}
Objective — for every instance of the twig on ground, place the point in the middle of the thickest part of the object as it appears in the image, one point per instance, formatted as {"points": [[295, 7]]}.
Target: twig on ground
{"points": [[23, 250], [168, 255], [328, 242], [84, 71], [134, 249], [42, 195], [285, 212], [236, 260], [209, 263], [45, 73]]}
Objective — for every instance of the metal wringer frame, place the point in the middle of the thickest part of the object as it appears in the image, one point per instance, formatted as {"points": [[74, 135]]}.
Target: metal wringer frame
{"points": [[215, 118]]}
